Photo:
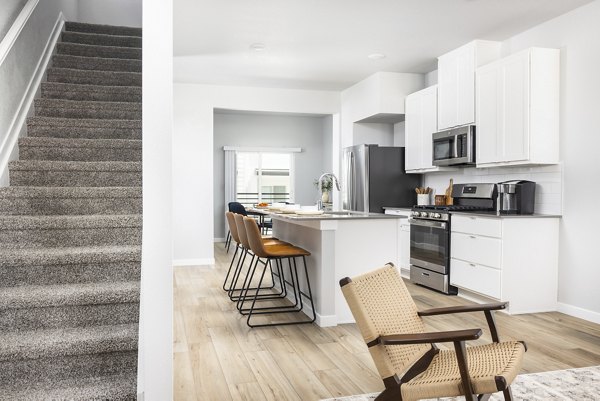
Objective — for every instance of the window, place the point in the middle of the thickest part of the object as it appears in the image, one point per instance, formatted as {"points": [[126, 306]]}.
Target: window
{"points": [[263, 177]]}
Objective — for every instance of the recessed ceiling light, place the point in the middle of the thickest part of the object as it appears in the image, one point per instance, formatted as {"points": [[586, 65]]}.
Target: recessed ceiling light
{"points": [[258, 47], [376, 56]]}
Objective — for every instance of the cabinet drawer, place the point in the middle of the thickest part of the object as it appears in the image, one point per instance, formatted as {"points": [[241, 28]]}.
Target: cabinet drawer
{"points": [[477, 249], [474, 277], [489, 227]]}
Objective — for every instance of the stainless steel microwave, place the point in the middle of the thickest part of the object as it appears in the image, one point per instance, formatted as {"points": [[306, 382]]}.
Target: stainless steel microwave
{"points": [[454, 147]]}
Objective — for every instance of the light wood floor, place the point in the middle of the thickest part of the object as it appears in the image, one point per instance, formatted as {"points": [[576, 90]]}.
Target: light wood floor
{"points": [[217, 357]]}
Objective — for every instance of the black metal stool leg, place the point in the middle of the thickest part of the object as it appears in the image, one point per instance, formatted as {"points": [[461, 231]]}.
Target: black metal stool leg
{"points": [[310, 297], [237, 273], [252, 310], [227, 240], [230, 266]]}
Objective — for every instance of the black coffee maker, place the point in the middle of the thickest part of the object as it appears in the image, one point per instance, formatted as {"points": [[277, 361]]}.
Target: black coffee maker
{"points": [[516, 197]]}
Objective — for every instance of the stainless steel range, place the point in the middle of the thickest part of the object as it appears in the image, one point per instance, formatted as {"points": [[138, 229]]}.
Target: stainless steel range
{"points": [[430, 234]]}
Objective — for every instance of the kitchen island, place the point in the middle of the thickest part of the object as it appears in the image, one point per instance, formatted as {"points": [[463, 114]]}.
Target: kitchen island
{"points": [[342, 244]]}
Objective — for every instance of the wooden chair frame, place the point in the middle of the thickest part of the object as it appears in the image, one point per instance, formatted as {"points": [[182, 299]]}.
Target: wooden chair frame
{"points": [[394, 383]]}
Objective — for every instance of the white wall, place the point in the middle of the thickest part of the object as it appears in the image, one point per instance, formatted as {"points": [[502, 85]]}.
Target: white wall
{"points": [[9, 9], [111, 12], [576, 35], [271, 131], [18, 65], [373, 133], [155, 367], [193, 152]]}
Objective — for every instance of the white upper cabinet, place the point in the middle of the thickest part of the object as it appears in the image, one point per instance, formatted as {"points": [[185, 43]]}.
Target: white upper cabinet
{"points": [[421, 123], [517, 109], [456, 81]]}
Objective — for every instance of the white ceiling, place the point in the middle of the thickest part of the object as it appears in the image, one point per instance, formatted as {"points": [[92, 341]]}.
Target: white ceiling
{"points": [[323, 44]]}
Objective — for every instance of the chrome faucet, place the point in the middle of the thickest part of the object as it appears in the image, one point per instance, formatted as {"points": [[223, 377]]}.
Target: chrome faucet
{"points": [[336, 182]]}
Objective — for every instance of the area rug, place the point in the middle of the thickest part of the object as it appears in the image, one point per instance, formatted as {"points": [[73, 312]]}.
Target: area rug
{"points": [[582, 384]]}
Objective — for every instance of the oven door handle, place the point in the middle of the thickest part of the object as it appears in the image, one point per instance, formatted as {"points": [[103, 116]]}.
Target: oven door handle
{"points": [[428, 223]]}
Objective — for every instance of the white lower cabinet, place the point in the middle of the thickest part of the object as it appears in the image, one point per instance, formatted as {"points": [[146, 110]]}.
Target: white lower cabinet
{"points": [[509, 259], [486, 280]]}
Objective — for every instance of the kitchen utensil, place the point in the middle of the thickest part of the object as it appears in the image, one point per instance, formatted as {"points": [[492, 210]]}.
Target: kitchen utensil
{"points": [[449, 199], [440, 200]]}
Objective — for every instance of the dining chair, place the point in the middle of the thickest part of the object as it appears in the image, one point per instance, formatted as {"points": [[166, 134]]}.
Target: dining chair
{"points": [[406, 357]]}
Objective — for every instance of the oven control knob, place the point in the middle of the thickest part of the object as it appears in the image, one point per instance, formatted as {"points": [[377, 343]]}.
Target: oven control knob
{"points": [[424, 214], [436, 215], [416, 214]]}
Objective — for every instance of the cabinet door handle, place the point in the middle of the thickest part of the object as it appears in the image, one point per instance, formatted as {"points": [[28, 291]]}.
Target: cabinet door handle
{"points": [[472, 218], [472, 236], [472, 264]]}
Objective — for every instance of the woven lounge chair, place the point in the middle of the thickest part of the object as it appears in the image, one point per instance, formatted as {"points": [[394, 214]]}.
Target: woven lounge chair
{"points": [[411, 366]]}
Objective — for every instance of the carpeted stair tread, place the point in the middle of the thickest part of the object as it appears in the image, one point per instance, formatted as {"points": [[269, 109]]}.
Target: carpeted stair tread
{"points": [[68, 294], [56, 231], [80, 143], [101, 388], [70, 200], [43, 173], [96, 63], [45, 165], [104, 29], [71, 255], [67, 342], [69, 149], [78, 49], [69, 222], [103, 93], [86, 109], [70, 192], [82, 123], [100, 39], [110, 78]]}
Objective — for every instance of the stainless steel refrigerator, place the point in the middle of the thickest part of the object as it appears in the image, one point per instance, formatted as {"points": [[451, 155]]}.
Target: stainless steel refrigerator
{"points": [[375, 178]]}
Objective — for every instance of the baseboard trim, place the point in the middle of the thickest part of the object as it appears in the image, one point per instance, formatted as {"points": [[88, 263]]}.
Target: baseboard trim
{"points": [[327, 320], [578, 312], [18, 122], [193, 262]]}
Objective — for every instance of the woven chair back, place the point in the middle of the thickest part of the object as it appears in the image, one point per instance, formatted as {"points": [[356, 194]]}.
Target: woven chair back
{"points": [[382, 305]]}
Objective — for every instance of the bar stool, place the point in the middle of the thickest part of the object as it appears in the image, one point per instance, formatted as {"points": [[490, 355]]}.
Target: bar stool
{"points": [[245, 247], [233, 235], [239, 247], [277, 253]]}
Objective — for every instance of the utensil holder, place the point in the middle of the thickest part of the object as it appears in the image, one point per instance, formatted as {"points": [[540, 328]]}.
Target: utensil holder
{"points": [[422, 199]]}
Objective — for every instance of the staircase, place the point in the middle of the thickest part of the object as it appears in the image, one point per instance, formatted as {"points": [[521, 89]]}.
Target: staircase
{"points": [[70, 227]]}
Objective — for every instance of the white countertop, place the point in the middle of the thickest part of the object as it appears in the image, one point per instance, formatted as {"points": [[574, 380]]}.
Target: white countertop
{"points": [[335, 215]]}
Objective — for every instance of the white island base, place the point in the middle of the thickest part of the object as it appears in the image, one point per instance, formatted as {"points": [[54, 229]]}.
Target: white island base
{"points": [[340, 247]]}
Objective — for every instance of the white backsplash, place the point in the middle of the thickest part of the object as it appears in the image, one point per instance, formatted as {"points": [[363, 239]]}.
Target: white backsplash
{"points": [[548, 191]]}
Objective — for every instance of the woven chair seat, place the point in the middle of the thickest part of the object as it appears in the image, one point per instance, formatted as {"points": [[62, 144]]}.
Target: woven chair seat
{"points": [[485, 362]]}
